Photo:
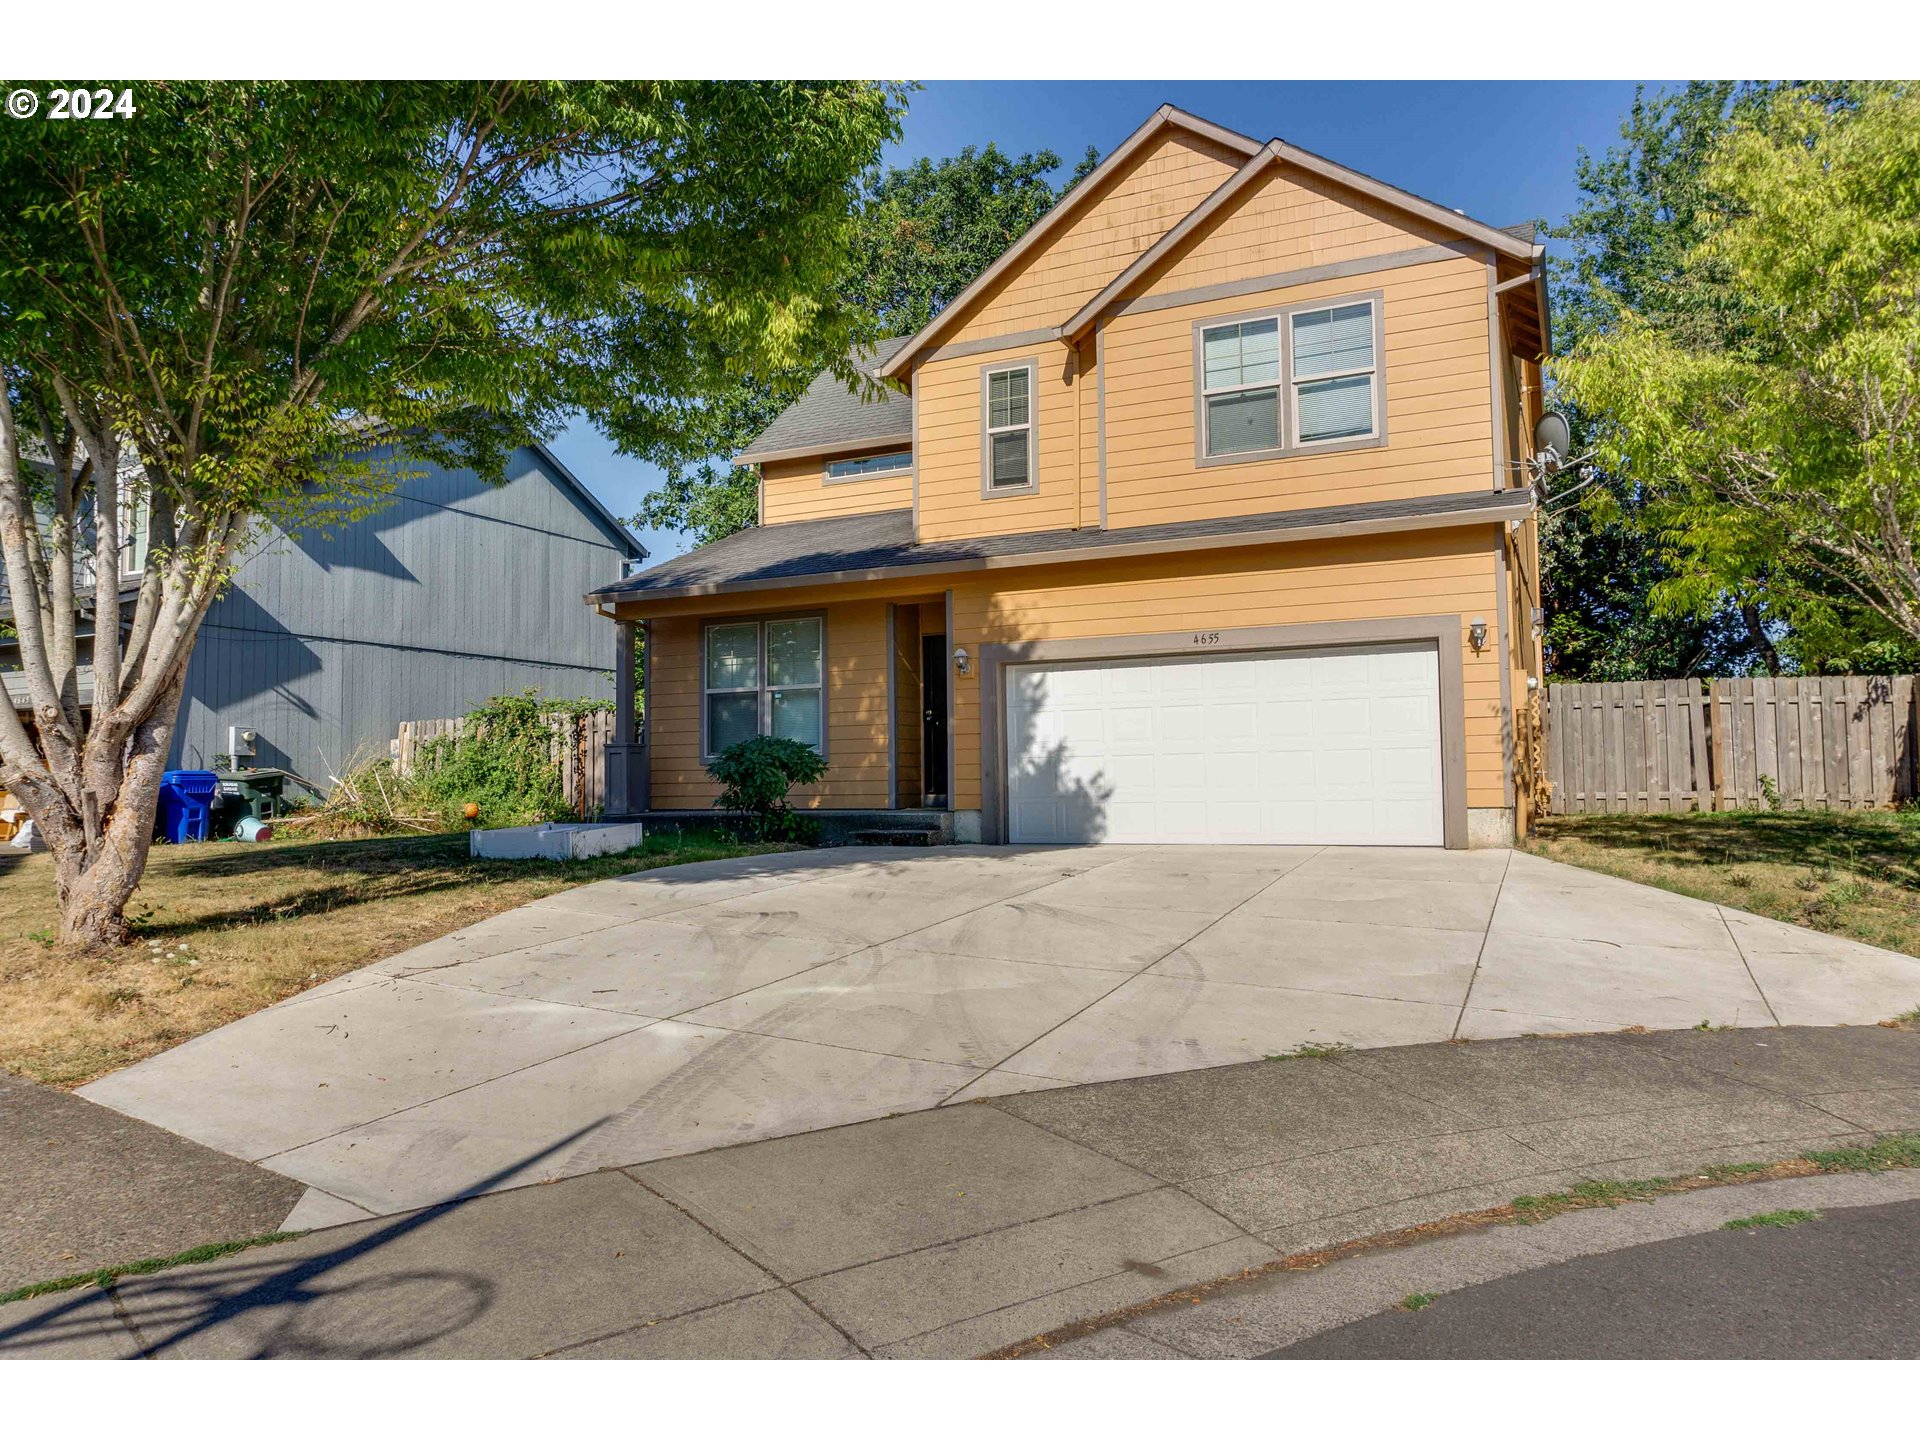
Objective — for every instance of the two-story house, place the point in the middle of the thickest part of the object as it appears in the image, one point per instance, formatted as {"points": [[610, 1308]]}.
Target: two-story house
{"points": [[1198, 517]]}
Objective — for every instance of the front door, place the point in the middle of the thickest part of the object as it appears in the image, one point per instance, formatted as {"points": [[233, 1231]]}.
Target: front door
{"points": [[933, 724]]}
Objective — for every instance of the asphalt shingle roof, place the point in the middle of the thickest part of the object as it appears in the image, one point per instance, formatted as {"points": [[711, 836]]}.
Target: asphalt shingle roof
{"points": [[828, 415], [883, 541]]}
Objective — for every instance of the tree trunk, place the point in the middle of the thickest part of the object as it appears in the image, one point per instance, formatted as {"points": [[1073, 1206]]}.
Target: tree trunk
{"points": [[97, 871], [1757, 633]]}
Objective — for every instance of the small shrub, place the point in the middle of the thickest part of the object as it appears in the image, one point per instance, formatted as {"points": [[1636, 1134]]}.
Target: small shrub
{"points": [[1769, 791], [755, 777]]}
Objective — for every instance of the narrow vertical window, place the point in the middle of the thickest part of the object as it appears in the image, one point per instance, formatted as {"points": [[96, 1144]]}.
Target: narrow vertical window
{"points": [[794, 680], [1334, 374], [1240, 379], [1009, 430], [133, 530]]}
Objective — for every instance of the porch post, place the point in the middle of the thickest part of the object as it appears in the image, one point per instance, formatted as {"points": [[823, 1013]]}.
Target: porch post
{"points": [[629, 775], [623, 683]]}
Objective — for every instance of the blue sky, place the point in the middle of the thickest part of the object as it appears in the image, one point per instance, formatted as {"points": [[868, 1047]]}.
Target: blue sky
{"points": [[1503, 152]]}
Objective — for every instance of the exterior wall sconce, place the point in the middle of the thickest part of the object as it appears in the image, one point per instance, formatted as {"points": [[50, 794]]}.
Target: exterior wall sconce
{"points": [[1477, 634], [962, 662]]}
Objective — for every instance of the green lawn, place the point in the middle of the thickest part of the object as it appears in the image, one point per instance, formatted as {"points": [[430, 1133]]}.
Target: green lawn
{"points": [[1848, 872]]}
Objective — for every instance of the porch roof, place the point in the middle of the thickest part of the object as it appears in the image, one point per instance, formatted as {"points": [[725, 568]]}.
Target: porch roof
{"points": [[878, 546]]}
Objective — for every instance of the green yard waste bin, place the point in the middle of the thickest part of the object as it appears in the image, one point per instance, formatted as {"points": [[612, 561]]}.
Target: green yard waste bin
{"points": [[259, 793]]}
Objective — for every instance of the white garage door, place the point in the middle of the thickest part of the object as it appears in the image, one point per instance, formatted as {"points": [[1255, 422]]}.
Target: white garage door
{"points": [[1334, 747]]}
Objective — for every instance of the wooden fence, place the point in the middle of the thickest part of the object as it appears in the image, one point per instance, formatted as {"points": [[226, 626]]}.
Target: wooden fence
{"points": [[579, 748], [1808, 742]]}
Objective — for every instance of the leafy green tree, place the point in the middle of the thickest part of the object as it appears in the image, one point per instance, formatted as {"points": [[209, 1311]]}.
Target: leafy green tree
{"points": [[205, 308], [925, 231], [1644, 207], [1787, 455]]}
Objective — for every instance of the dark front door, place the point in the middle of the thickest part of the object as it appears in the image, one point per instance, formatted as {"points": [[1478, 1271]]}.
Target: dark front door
{"points": [[933, 724]]}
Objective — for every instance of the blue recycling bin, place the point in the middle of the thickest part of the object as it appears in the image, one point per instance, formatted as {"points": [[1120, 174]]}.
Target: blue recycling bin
{"points": [[186, 805]]}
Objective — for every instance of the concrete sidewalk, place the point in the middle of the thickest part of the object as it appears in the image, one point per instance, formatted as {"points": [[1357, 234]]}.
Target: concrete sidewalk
{"points": [[958, 1231]]}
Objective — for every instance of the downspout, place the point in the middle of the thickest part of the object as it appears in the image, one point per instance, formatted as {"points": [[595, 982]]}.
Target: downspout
{"points": [[1073, 381]]}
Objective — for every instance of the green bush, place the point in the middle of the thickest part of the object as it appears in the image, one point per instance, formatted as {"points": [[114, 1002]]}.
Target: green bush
{"points": [[501, 761], [755, 776]]}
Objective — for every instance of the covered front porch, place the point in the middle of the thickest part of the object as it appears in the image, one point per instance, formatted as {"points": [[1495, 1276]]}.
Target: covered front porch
{"points": [[865, 681]]}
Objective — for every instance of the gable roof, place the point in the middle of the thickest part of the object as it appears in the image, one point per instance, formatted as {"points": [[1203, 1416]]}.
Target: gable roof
{"points": [[829, 416], [1167, 117], [1279, 152], [606, 519]]}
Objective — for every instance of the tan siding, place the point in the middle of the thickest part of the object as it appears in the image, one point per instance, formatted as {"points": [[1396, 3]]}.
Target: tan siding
{"points": [[1136, 208], [1290, 221], [1439, 428], [947, 393], [797, 489]]}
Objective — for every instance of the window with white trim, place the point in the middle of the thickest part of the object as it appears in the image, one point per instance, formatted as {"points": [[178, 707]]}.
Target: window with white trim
{"points": [[870, 465], [1009, 443], [135, 523], [1297, 379], [1335, 374], [764, 677], [1240, 382]]}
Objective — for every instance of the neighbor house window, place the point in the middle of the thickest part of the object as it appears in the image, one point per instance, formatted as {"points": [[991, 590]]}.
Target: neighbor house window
{"points": [[1334, 374], [134, 526], [1240, 379], [870, 465], [765, 677], [1008, 461]]}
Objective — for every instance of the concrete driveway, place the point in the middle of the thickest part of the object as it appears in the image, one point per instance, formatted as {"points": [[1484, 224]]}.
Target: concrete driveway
{"points": [[705, 1005]]}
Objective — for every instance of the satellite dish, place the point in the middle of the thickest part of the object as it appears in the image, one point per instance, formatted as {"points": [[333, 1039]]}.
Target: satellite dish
{"points": [[1552, 433]]}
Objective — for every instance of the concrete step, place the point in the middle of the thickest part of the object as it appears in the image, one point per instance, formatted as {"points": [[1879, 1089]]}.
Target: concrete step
{"points": [[902, 835]]}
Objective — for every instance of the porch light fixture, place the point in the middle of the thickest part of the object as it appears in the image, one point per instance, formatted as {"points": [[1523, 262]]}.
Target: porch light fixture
{"points": [[962, 662], [1477, 634]]}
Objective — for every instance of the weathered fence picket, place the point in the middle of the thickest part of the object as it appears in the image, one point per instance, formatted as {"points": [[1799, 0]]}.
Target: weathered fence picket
{"points": [[1800, 742]]}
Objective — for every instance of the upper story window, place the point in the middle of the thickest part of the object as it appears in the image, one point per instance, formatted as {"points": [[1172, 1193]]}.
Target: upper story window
{"points": [[135, 523], [763, 677], [1240, 376], [1333, 373], [870, 465], [1302, 378], [1007, 441]]}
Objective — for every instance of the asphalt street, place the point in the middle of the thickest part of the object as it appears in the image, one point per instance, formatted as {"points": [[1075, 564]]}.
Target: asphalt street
{"points": [[1844, 1286]]}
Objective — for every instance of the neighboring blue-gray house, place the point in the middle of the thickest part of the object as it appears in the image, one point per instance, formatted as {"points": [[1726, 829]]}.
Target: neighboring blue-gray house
{"points": [[456, 591]]}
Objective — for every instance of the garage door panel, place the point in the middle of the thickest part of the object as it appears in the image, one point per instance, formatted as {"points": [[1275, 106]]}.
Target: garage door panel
{"points": [[1131, 725], [1233, 723], [1331, 747]]}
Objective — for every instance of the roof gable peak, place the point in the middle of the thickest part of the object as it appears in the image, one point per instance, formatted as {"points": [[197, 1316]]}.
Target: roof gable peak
{"points": [[1167, 117]]}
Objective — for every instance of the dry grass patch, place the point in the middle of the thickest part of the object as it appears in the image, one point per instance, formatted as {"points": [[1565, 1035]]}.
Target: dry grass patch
{"points": [[1849, 873], [224, 930]]}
